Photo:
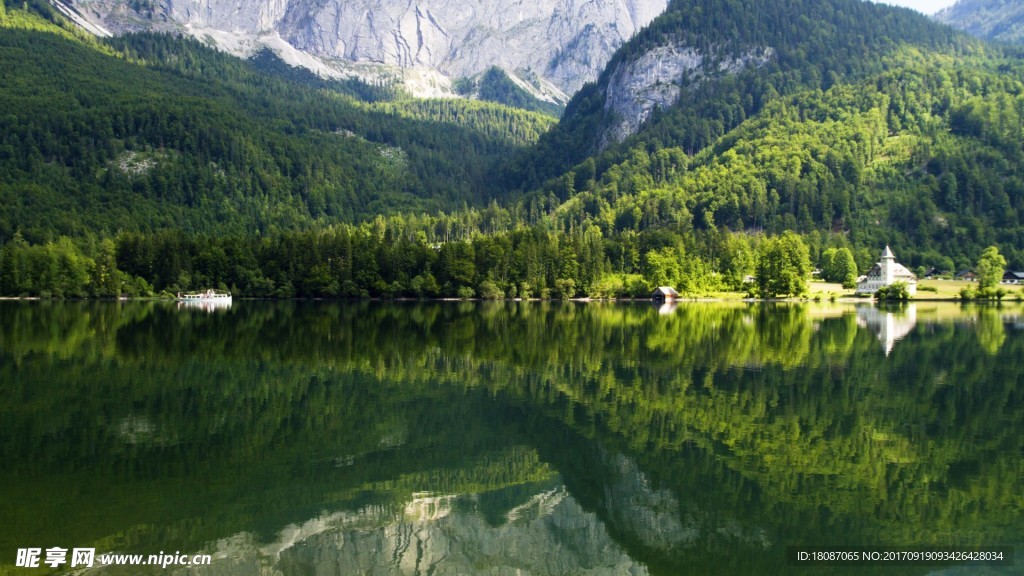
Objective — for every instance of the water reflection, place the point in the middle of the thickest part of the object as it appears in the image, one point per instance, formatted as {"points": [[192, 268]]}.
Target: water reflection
{"points": [[207, 305], [301, 438], [548, 534], [889, 325]]}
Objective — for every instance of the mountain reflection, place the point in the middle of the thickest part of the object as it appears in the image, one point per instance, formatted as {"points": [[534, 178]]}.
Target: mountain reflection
{"points": [[340, 438], [547, 534]]}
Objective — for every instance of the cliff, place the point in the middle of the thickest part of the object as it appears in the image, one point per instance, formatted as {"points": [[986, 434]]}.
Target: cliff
{"points": [[567, 43]]}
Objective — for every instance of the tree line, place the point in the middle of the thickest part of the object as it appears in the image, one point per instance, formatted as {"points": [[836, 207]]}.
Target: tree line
{"points": [[395, 258]]}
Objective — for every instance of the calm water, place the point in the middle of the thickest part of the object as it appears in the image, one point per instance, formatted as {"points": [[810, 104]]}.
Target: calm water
{"points": [[511, 438]]}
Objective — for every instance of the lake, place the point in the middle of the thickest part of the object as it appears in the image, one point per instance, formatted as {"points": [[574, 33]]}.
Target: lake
{"points": [[302, 438]]}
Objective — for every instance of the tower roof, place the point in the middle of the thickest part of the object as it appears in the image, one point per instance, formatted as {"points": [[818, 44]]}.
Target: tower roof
{"points": [[887, 254]]}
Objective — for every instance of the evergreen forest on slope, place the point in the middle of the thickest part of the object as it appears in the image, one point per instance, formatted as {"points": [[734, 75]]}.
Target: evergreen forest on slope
{"points": [[150, 163], [156, 132]]}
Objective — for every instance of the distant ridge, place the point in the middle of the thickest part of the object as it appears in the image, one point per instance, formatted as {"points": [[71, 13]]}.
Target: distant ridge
{"points": [[998, 20]]}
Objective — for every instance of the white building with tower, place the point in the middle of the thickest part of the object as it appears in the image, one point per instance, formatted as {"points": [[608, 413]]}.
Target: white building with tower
{"points": [[885, 273]]}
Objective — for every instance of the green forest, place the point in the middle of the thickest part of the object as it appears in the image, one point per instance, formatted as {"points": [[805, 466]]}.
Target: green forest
{"points": [[158, 132], [151, 164], [494, 85]]}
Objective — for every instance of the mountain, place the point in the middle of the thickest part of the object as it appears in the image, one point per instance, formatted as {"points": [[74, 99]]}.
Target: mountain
{"points": [[855, 125], [558, 45], [998, 20], [704, 66], [149, 132]]}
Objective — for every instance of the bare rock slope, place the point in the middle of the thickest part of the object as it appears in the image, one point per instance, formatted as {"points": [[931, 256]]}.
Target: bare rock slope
{"points": [[565, 43]]}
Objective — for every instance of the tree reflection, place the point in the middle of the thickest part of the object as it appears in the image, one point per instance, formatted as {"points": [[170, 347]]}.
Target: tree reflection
{"points": [[707, 429]]}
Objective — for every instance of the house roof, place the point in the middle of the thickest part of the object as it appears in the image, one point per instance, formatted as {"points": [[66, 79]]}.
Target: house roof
{"points": [[666, 290], [901, 271]]}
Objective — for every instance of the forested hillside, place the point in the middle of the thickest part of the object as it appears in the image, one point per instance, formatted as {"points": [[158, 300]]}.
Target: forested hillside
{"points": [[495, 85], [154, 132], [864, 125], [151, 163], [812, 45], [927, 157]]}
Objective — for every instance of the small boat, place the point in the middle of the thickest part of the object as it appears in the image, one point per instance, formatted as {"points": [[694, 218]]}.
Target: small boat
{"points": [[207, 301], [207, 296]]}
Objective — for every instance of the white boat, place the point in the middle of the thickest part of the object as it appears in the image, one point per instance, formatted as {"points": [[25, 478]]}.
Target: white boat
{"points": [[207, 296], [207, 301]]}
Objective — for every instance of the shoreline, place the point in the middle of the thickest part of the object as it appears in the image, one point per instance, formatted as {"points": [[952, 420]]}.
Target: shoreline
{"points": [[1019, 298]]}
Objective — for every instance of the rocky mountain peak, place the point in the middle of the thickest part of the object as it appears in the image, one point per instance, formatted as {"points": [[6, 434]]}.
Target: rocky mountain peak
{"points": [[566, 43]]}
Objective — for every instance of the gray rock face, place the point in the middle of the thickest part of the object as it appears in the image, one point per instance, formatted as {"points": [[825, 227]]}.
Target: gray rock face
{"points": [[1000, 20], [567, 42], [656, 79]]}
